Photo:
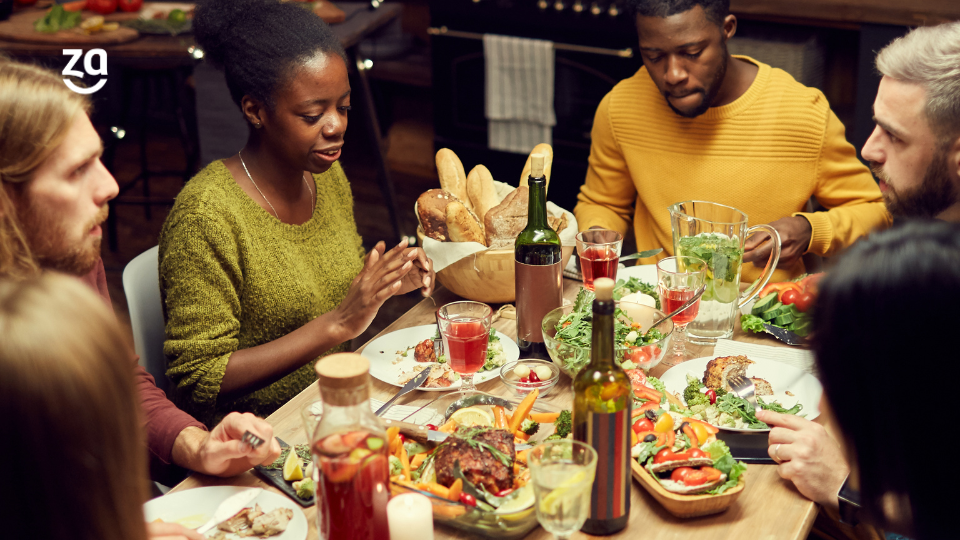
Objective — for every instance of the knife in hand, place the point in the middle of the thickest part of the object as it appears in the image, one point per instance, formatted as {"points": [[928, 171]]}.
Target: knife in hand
{"points": [[230, 507]]}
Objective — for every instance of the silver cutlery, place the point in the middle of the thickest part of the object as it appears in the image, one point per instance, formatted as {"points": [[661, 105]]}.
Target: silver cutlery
{"points": [[251, 439], [685, 305], [744, 388], [230, 507], [413, 383], [784, 335], [641, 255]]}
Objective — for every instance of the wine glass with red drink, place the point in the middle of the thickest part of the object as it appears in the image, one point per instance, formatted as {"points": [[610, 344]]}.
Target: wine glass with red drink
{"points": [[465, 328], [678, 279], [599, 252]]}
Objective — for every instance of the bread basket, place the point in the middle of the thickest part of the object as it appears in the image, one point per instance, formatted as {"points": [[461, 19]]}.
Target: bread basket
{"points": [[486, 276]]}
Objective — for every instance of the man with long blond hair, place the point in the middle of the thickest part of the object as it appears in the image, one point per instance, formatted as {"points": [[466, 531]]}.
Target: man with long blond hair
{"points": [[53, 197]]}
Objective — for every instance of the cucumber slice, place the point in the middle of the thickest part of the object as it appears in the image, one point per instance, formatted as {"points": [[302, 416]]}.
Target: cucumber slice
{"points": [[764, 304], [772, 313], [783, 320]]}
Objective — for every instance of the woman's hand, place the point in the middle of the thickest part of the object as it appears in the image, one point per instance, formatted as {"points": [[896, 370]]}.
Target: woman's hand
{"points": [[380, 279], [422, 277]]}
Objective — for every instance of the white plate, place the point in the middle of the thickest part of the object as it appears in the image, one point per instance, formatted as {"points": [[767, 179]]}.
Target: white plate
{"points": [[644, 272], [194, 507], [782, 377], [383, 352]]}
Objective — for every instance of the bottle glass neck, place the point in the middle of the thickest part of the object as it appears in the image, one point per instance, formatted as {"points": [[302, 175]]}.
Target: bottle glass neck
{"points": [[537, 209], [601, 351]]}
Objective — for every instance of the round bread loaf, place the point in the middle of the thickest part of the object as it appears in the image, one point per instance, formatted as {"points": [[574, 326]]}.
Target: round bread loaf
{"points": [[431, 210]]}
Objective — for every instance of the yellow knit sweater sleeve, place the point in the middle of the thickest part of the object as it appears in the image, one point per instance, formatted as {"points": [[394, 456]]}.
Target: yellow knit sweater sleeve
{"points": [[848, 191], [607, 196]]}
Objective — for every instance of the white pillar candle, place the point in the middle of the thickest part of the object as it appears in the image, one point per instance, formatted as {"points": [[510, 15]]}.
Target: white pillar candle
{"points": [[410, 516]]}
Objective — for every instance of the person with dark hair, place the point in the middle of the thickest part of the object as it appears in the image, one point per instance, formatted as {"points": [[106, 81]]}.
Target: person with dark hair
{"points": [[261, 267], [696, 122], [909, 271]]}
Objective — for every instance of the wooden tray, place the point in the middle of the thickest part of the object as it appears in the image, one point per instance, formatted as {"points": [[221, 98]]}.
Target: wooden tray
{"points": [[19, 27], [686, 506]]}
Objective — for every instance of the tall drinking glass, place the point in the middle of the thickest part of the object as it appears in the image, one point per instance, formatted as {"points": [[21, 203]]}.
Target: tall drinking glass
{"points": [[678, 279], [465, 328], [599, 252], [562, 474]]}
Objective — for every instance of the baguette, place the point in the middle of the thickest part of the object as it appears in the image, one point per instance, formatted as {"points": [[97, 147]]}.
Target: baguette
{"points": [[547, 151], [462, 225], [452, 176], [481, 191]]}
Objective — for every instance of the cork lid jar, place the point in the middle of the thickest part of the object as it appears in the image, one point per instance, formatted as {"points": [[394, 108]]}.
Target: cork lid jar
{"points": [[344, 379]]}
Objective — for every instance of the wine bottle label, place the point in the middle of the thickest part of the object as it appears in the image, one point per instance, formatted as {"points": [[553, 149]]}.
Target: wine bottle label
{"points": [[609, 435], [539, 290]]}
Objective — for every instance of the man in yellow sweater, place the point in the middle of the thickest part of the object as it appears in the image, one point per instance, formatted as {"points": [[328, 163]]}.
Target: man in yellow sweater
{"points": [[698, 123]]}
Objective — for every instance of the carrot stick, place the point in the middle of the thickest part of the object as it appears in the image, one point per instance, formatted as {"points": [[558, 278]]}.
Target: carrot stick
{"points": [[455, 489], [439, 490], [500, 419], [393, 439], [522, 456], [523, 410], [405, 462], [417, 461], [545, 418], [449, 427], [521, 435]]}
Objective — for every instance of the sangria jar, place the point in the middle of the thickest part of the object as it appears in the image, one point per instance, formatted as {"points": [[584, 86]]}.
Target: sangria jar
{"points": [[349, 447]]}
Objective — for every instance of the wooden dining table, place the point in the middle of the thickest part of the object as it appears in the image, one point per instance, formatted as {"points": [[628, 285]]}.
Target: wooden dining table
{"points": [[769, 506]]}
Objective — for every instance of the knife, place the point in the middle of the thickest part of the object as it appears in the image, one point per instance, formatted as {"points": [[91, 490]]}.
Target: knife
{"points": [[230, 507], [784, 335], [411, 384]]}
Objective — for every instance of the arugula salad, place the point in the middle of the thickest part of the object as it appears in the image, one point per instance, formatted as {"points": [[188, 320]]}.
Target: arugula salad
{"points": [[728, 409], [723, 256]]}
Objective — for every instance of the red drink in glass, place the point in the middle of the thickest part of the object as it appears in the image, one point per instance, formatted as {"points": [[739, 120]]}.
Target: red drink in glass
{"points": [[465, 343], [354, 486], [597, 262], [672, 299]]}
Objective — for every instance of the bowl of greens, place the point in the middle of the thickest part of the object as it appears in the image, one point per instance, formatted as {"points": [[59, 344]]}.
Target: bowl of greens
{"points": [[568, 330]]}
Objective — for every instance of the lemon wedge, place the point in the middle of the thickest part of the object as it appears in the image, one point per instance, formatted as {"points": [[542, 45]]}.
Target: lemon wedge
{"points": [[472, 416], [520, 499], [291, 467], [571, 488]]}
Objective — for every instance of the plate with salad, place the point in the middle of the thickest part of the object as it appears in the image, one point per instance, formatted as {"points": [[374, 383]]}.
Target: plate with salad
{"points": [[700, 384], [398, 356]]}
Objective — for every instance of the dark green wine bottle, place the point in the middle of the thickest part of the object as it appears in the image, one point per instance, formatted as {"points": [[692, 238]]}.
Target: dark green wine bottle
{"points": [[539, 276], [602, 403]]}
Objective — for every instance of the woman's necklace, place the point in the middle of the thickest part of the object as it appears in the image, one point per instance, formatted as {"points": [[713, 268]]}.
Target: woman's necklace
{"points": [[313, 197]]}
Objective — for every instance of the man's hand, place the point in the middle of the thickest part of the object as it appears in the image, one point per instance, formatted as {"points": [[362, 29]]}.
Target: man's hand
{"points": [[808, 456], [794, 234], [220, 452], [171, 531]]}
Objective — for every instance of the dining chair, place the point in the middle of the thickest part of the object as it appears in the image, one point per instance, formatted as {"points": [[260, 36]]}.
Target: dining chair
{"points": [[141, 285]]}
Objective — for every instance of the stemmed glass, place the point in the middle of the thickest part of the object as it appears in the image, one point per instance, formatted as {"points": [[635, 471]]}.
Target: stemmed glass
{"points": [[562, 474], [599, 252], [678, 279], [465, 328]]}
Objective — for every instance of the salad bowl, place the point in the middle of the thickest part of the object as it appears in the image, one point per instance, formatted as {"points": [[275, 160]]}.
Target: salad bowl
{"points": [[572, 356]]}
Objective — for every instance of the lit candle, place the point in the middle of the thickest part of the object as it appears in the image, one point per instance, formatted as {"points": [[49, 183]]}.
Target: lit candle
{"points": [[410, 516]]}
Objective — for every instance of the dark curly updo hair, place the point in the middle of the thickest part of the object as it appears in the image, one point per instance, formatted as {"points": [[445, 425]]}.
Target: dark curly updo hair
{"points": [[716, 10], [258, 43]]}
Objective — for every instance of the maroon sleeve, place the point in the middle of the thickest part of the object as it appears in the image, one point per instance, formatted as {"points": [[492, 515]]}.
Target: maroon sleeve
{"points": [[164, 421]]}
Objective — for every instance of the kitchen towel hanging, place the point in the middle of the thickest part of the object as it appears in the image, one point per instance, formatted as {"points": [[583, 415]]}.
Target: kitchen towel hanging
{"points": [[519, 92]]}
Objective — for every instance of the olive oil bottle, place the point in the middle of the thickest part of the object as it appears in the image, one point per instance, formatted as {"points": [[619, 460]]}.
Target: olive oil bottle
{"points": [[539, 277], [601, 418]]}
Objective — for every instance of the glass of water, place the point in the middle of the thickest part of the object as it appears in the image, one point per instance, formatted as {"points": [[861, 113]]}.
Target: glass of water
{"points": [[562, 473]]}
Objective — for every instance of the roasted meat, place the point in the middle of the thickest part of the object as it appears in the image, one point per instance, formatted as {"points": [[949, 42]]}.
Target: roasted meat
{"points": [[272, 523], [478, 464], [424, 352]]}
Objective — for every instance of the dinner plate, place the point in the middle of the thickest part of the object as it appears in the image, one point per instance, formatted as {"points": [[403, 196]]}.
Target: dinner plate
{"points": [[384, 351], [805, 388], [644, 272], [194, 507]]}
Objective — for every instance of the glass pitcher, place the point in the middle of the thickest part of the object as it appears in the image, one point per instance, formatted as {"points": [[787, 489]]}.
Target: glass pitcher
{"points": [[716, 233]]}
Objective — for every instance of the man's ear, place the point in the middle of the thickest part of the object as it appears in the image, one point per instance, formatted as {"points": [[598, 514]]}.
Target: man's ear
{"points": [[953, 160], [729, 27], [253, 111]]}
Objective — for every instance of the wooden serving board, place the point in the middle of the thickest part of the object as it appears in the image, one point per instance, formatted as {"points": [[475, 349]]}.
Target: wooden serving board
{"points": [[19, 27], [687, 506]]}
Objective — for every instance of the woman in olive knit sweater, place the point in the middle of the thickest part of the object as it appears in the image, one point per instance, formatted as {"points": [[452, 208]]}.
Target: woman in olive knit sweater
{"points": [[261, 267]]}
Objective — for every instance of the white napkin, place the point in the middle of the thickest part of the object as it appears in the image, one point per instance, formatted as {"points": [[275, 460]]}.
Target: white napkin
{"points": [[801, 359]]}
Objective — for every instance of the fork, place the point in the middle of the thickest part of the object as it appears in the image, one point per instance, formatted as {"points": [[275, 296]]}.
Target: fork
{"points": [[251, 439], [744, 388]]}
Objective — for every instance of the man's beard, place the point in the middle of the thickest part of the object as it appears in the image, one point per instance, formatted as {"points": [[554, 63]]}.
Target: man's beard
{"points": [[709, 93], [47, 235], [935, 193]]}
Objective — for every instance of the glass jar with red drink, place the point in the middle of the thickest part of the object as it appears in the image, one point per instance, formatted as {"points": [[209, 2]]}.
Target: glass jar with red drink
{"points": [[349, 447]]}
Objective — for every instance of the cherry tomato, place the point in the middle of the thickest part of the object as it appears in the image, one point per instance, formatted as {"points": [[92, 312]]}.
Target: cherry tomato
{"points": [[103, 7], [643, 424], [468, 499], [402, 438], [804, 301], [431, 427], [130, 5], [534, 377], [712, 395], [667, 454], [680, 474], [695, 477], [790, 296], [525, 379]]}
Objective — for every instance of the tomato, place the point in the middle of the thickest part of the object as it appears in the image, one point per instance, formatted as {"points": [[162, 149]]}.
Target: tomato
{"points": [[534, 377], [643, 424], [103, 7], [711, 395], [468, 499], [695, 477], [667, 454], [680, 474], [637, 355], [77, 5], [130, 5], [811, 283], [431, 427], [664, 424], [804, 301], [789, 296]]}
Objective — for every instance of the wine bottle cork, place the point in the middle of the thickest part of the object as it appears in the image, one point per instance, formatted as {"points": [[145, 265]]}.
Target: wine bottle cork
{"points": [[536, 165], [603, 287]]}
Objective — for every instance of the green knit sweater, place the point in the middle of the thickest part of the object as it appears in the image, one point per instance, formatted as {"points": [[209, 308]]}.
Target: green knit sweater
{"points": [[233, 276]]}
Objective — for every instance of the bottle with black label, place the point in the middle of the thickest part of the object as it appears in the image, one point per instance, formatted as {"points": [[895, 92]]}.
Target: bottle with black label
{"points": [[539, 277], [602, 404]]}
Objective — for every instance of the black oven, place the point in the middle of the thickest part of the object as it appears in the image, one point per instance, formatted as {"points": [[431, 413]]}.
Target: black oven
{"points": [[595, 45]]}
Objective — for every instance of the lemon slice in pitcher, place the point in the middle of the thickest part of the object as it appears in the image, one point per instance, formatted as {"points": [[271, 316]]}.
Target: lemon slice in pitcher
{"points": [[569, 489]]}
